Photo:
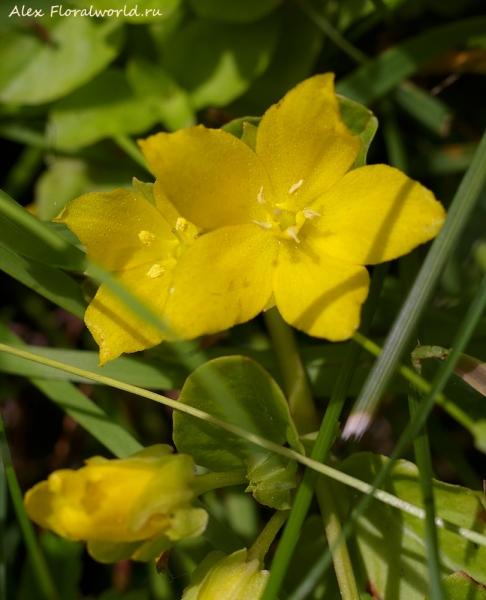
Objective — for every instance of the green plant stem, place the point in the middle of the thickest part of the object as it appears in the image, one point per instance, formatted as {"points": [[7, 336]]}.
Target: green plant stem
{"points": [[419, 296], [263, 542], [409, 374], [333, 34], [213, 481], [39, 565], [325, 439], [314, 465], [296, 384], [424, 463], [340, 555]]}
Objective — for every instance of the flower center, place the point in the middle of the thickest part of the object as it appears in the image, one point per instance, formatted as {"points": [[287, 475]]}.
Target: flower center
{"points": [[285, 219]]}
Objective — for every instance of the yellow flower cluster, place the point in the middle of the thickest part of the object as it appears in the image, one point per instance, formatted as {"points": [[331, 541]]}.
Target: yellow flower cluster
{"points": [[279, 217], [134, 507]]}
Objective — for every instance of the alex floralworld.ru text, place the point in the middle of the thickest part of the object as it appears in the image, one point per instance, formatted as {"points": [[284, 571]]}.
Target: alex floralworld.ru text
{"points": [[25, 11]]}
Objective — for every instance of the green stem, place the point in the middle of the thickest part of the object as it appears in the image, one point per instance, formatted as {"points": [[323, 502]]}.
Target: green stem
{"points": [[39, 565], [337, 544], [213, 481], [419, 296], [324, 441], [263, 542], [424, 463], [293, 372]]}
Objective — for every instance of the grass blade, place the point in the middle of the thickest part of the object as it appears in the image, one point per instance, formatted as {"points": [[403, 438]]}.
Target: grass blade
{"points": [[418, 298]]}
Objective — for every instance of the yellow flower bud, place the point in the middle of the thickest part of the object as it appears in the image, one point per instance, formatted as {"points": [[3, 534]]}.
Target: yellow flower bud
{"points": [[137, 506], [233, 577]]}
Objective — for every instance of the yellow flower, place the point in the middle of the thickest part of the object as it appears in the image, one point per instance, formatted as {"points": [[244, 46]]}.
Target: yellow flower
{"points": [[221, 577], [137, 506], [140, 241], [287, 221]]}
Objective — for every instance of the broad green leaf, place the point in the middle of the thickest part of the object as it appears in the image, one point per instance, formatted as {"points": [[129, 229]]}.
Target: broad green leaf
{"points": [[35, 71], [153, 84], [237, 390], [50, 282], [360, 121], [459, 586], [228, 58], [104, 107], [24, 234], [233, 11], [372, 81], [391, 544], [298, 47], [63, 181], [136, 11]]}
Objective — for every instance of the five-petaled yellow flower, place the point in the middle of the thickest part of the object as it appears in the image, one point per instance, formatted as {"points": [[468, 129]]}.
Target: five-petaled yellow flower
{"points": [[134, 507], [236, 226], [288, 222]]}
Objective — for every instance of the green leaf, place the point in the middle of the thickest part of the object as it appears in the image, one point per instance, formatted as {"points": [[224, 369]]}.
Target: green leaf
{"points": [[63, 181], [104, 107], [36, 71], [391, 545], [372, 81], [50, 282], [351, 11], [360, 121], [298, 48], [233, 11], [24, 234], [136, 11], [237, 126], [228, 58], [239, 391], [153, 84], [459, 586]]}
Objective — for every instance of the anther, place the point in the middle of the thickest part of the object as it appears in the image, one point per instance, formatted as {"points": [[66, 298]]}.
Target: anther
{"points": [[181, 224], [155, 271], [309, 214], [261, 197], [296, 186], [264, 224], [146, 238], [293, 233]]}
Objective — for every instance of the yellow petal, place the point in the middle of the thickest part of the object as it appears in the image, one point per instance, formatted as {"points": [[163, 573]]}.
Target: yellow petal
{"points": [[120, 229], [319, 294], [223, 279], [303, 142], [211, 177], [375, 214], [115, 327]]}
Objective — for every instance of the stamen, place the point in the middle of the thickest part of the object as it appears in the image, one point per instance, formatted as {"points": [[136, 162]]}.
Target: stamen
{"points": [[146, 238], [155, 271], [264, 224], [296, 186], [309, 214], [261, 197], [181, 224], [293, 233]]}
